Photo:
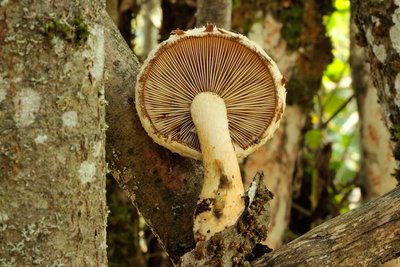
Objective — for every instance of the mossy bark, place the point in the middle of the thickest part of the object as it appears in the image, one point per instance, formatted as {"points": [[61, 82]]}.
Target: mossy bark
{"points": [[52, 141]]}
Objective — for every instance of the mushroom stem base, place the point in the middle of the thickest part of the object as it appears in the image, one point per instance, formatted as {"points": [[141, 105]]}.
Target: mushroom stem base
{"points": [[221, 201]]}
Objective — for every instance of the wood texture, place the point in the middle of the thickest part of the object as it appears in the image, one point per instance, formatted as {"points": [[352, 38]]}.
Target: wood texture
{"points": [[367, 236]]}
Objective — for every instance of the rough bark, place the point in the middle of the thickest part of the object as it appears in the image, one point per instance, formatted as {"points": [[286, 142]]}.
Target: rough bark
{"points": [[301, 49], [379, 25], [377, 162], [162, 185], [367, 236], [217, 12], [52, 157]]}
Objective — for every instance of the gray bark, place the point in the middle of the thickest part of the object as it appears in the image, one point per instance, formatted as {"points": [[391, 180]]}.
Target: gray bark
{"points": [[367, 236], [217, 12], [162, 185], [52, 141], [379, 25]]}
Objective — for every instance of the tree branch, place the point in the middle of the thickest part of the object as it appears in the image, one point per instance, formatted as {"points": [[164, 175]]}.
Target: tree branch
{"points": [[366, 236], [343, 106], [163, 186]]}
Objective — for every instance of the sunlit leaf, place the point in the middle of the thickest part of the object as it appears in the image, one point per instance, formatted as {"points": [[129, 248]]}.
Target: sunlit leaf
{"points": [[314, 138], [335, 70]]}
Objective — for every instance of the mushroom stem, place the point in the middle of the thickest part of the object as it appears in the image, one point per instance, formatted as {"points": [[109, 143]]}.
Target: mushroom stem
{"points": [[221, 201]]}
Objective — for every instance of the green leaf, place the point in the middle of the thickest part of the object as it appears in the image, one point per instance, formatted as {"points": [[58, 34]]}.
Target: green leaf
{"points": [[342, 5], [335, 70], [314, 138]]}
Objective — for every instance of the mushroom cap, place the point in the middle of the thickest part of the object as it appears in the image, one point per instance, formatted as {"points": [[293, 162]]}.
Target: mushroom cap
{"points": [[209, 59]]}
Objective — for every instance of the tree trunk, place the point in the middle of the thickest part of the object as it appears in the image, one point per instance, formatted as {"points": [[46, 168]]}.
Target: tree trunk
{"points": [[367, 236], [217, 12], [52, 165], [377, 162], [379, 26], [304, 70]]}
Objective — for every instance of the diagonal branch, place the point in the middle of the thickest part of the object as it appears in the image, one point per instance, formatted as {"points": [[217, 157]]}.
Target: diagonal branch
{"points": [[163, 186], [366, 236], [343, 106]]}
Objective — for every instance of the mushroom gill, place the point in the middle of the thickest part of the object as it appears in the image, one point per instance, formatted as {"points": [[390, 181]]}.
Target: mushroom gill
{"points": [[216, 63]]}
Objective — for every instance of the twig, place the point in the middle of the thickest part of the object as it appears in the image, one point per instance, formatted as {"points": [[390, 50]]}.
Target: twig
{"points": [[337, 112]]}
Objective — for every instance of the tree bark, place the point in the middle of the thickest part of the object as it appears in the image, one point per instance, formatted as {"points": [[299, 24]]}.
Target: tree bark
{"points": [[162, 185], [367, 236], [379, 26], [303, 70], [52, 157], [377, 162], [217, 12]]}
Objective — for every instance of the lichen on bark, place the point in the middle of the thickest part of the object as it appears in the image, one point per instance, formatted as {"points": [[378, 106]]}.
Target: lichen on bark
{"points": [[52, 158], [378, 24]]}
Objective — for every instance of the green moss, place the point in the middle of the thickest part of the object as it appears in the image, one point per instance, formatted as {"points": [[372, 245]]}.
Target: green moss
{"points": [[75, 31], [81, 29]]}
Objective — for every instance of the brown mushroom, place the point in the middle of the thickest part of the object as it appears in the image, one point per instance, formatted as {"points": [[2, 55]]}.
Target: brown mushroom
{"points": [[213, 95]]}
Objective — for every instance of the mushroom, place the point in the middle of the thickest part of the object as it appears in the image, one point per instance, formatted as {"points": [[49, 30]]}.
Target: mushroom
{"points": [[213, 95]]}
